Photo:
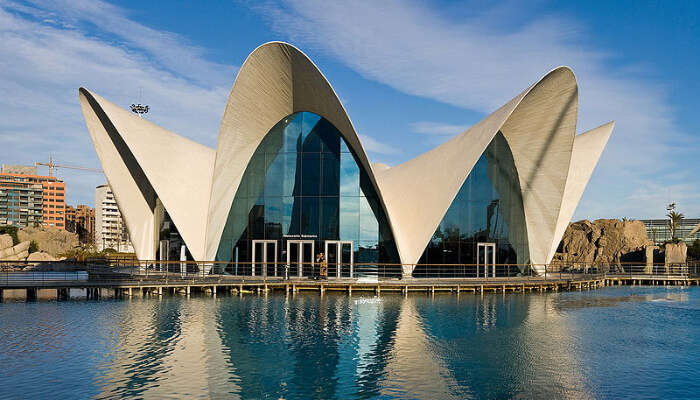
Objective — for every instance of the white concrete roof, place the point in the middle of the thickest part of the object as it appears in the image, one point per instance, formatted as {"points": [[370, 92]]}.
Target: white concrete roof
{"points": [[588, 148], [143, 161]]}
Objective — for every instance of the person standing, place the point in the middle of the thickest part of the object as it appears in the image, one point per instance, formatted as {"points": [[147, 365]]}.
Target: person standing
{"points": [[314, 274], [323, 266]]}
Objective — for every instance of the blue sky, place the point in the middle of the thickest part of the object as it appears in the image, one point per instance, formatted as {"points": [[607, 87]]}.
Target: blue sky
{"points": [[411, 75]]}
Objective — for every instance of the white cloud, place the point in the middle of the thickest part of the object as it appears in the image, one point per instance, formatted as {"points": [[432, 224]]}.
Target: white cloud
{"points": [[50, 49], [171, 51], [374, 146], [437, 128], [479, 61]]}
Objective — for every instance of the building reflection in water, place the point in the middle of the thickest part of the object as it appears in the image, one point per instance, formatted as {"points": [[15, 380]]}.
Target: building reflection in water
{"points": [[503, 346], [414, 368], [553, 363], [332, 347], [336, 346], [539, 345], [168, 348]]}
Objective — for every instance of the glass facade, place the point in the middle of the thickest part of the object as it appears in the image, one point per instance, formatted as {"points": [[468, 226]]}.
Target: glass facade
{"points": [[487, 209], [169, 240], [659, 230], [304, 183]]}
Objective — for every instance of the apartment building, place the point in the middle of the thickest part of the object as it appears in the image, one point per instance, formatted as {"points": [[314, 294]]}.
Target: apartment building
{"points": [[70, 218], [81, 220], [19, 185], [110, 230], [20, 201]]}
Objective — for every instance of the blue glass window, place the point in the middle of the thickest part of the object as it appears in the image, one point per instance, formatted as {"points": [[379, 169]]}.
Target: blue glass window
{"points": [[487, 208], [303, 181]]}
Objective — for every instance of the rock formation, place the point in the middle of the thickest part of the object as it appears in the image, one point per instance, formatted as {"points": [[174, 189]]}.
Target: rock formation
{"points": [[603, 242], [13, 253], [5, 241], [40, 256], [50, 240], [676, 253]]}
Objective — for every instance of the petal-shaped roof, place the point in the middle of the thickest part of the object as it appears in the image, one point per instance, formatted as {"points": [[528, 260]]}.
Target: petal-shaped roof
{"points": [[144, 162], [588, 148]]}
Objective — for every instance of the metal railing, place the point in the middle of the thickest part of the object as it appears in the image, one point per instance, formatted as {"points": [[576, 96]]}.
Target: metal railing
{"points": [[14, 273], [659, 271]]}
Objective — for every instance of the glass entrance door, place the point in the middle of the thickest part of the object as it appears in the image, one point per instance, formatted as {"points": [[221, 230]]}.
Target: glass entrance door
{"points": [[339, 255], [264, 260], [300, 257], [486, 259]]}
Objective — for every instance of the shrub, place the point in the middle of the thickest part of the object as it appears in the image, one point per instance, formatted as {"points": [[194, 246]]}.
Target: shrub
{"points": [[33, 247]]}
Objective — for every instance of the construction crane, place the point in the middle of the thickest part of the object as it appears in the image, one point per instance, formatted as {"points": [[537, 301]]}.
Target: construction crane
{"points": [[53, 165]]}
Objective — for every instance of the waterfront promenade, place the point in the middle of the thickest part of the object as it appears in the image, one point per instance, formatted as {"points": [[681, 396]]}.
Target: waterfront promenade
{"points": [[56, 280]]}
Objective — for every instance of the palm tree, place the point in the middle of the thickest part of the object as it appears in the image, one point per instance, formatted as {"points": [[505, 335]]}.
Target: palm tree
{"points": [[674, 219]]}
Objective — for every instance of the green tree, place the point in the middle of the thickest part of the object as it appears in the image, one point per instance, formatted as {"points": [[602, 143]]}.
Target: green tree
{"points": [[674, 219]]}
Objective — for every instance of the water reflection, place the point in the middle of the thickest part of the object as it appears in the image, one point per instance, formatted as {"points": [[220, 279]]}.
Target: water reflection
{"points": [[613, 300], [306, 346], [166, 348], [414, 369], [559, 345]]}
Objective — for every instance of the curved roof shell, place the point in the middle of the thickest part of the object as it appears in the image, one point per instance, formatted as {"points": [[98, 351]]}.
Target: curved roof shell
{"points": [[276, 80]]}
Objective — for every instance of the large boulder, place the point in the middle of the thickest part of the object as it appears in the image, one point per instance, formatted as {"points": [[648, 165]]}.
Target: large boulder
{"points": [[21, 247], [17, 257], [5, 241], [676, 253], [40, 256], [50, 240], [7, 253], [603, 241], [22, 255]]}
